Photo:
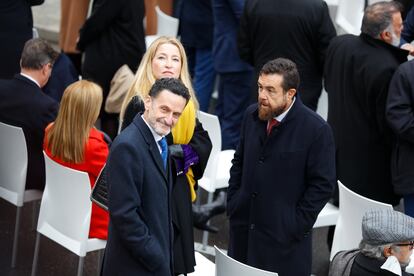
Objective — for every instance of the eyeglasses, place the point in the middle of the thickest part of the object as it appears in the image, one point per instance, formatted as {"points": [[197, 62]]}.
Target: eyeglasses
{"points": [[410, 244]]}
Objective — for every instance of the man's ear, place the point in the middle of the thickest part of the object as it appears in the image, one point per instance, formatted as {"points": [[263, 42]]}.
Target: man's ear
{"points": [[387, 251], [386, 36], [147, 102], [291, 93]]}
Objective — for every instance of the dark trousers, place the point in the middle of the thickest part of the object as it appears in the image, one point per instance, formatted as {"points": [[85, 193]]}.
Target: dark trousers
{"points": [[234, 97]]}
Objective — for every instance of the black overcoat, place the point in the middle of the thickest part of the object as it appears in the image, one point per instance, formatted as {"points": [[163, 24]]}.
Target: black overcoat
{"points": [[358, 71], [294, 29], [140, 230], [278, 185], [23, 104]]}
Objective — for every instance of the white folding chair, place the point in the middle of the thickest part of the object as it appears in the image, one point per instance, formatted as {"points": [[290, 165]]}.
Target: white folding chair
{"points": [[65, 212], [349, 15], [13, 170], [226, 266], [352, 207], [166, 25], [217, 172], [328, 216]]}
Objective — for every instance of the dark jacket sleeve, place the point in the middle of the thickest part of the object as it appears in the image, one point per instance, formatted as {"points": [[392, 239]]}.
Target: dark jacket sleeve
{"points": [[326, 32], [243, 39], [103, 14], [408, 31], [321, 178], [201, 144], [399, 110]]}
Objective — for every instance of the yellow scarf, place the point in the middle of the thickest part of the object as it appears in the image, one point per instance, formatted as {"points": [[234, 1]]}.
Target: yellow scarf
{"points": [[182, 133]]}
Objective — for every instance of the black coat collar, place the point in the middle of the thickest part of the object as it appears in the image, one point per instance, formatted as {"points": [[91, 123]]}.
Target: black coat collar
{"points": [[398, 53]]}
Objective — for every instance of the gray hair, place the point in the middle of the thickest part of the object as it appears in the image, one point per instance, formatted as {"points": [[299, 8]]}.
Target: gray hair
{"points": [[378, 16], [376, 251], [36, 53]]}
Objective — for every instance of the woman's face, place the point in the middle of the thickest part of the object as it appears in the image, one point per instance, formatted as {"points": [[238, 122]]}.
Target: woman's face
{"points": [[166, 62]]}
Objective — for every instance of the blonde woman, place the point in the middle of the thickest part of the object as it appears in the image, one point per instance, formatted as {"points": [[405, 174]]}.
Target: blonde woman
{"points": [[72, 141], [189, 143]]}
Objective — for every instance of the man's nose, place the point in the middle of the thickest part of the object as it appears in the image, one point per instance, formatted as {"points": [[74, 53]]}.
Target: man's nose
{"points": [[169, 119]]}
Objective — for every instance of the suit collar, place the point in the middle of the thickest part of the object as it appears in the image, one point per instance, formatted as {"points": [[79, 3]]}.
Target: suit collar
{"points": [[26, 80], [152, 144]]}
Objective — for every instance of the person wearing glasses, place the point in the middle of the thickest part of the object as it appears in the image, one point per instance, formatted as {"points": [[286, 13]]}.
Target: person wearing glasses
{"points": [[385, 249]]}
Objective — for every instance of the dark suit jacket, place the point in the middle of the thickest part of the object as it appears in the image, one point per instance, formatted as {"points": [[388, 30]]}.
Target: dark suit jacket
{"points": [[358, 71], [294, 29], [16, 23], [140, 229], [112, 36], [23, 104], [226, 24], [278, 185]]}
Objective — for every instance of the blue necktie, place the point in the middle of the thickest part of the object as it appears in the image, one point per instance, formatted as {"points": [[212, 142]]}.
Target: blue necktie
{"points": [[164, 151]]}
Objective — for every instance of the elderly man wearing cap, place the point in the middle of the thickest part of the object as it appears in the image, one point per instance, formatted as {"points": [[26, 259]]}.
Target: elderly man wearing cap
{"points": [[385, 249]]}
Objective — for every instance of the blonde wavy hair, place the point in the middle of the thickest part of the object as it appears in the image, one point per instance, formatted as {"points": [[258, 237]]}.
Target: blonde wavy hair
{"points": [[78, 112], [144, 77]]}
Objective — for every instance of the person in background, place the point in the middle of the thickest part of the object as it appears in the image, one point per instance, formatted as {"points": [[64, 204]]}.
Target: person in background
{"points": [[400, 117], [196, 34], [358, 71], [73, 141], [139, 177], [385, 249], [16, 27], [23, 104], [282, 176], [72, 17], [295, 29], [112, 36], [235, 75], [190, 145]]}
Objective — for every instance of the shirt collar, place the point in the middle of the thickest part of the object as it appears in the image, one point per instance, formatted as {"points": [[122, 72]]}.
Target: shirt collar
{"points": [[30, 78], [283, 115]]}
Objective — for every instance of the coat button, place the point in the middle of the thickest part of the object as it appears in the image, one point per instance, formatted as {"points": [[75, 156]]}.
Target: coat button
{"points": [[252, 226], [254, 194], [261, 160]]}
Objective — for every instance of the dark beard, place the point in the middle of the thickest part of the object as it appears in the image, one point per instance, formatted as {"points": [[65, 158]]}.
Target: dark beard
{"points": [[266, 114]]}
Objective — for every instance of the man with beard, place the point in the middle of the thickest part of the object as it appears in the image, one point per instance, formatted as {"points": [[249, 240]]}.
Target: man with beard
{"points": [[139, 187], [283, 174], [358, 71]]}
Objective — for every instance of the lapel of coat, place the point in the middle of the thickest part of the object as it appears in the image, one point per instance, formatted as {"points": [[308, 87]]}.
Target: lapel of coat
{"points": [[152, 145]]}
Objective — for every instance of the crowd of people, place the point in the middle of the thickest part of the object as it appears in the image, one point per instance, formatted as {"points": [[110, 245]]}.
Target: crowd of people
{"points": [[287, 158]]}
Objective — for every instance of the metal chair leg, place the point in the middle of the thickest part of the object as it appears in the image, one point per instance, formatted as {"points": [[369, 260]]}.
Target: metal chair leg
{"points": [[80, 266], [205, 233], [36, 254], [16, 237]]}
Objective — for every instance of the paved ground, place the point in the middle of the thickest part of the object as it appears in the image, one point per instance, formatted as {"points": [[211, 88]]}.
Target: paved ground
{"points": [[55, 260]]}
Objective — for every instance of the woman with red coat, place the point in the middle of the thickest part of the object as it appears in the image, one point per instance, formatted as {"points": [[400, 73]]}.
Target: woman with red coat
{"points": [[72, 141]]}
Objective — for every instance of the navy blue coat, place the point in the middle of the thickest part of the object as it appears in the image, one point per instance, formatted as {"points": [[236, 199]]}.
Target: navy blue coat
{"points": [[226, 24], [278, 185], [140, 229], [23, 104], [400, 116]]}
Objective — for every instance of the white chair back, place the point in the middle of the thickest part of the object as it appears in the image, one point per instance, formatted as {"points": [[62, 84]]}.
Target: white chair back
{"points": [[352, 207], [226, 266], [65, 210], [212, 125], [13, 166], [349, 15], [166, 24]]}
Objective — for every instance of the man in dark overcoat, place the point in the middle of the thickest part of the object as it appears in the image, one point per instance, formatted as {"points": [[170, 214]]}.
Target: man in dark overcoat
{"points": [[281, 177], [358, 71], [23, 104], [139, 187], [294, 29]]}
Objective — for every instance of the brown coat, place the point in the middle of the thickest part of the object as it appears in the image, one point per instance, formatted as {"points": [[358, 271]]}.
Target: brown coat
{"points": [[73, 15]]}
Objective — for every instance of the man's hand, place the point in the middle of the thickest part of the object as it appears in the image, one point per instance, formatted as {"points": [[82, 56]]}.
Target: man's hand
{"points": [[409, 47]]}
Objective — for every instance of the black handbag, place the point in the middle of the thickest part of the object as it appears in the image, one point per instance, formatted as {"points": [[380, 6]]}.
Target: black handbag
{"points": [[99, 193]]}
